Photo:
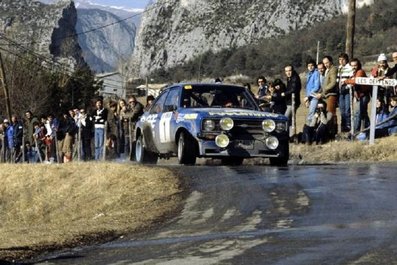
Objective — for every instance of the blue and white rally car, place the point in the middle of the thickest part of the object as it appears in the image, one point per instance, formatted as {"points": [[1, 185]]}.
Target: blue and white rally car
{"points": [[210, 120]]}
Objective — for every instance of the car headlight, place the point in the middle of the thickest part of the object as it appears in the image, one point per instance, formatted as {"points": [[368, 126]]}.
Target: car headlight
{"points": [[226, 124], [268, 125], [272, 142], [281, 126], [208, 125], [222, 140]]}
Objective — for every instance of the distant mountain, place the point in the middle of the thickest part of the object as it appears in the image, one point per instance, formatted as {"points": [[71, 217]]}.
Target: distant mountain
{"points": [[173, 32], [45, 31], [105, 34], [108, 48]]}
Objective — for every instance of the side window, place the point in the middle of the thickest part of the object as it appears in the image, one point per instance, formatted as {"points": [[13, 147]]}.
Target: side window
{"points": [[159, 103], [172, 101]]}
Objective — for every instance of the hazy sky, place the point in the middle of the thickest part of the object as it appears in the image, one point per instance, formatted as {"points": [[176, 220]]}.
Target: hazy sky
{"points": [[133, 4], [124, 4]]}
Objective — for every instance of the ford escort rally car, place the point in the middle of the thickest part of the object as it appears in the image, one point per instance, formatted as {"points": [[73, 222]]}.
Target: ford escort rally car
{"points": [[211, 121]]}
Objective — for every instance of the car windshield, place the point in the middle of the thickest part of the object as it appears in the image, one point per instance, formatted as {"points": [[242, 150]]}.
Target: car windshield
{"points": [[217, 96]]}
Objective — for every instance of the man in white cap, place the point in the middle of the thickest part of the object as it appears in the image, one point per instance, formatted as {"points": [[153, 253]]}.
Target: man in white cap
{"points": [[392, 72], [382, 67], [380, 71]]}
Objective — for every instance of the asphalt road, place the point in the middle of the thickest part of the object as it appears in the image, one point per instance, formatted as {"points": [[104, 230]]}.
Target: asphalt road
{"points": [[334, 214]]}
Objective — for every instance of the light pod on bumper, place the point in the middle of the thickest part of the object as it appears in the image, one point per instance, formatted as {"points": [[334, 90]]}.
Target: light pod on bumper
{"points": [[272, 142], [226, 124], [222, 140], [268, 125]]}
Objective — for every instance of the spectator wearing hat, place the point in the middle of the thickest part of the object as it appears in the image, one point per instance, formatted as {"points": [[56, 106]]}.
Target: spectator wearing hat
{"points": [[380, 71]]}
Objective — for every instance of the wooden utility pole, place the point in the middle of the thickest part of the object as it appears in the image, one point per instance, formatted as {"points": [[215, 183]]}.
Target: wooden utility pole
{"points": [[4, 84], [350, 27]]}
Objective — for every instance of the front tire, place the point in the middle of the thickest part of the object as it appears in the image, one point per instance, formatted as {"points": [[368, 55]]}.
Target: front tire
{"points": [[186, 149], [282, 160], [143, 156]]}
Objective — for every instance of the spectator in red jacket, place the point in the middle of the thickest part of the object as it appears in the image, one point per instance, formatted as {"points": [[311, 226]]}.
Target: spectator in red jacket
{"points": [[361, 96]]}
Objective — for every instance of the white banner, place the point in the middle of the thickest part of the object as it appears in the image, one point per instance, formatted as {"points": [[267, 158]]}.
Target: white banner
{"points": [[375, 82]]}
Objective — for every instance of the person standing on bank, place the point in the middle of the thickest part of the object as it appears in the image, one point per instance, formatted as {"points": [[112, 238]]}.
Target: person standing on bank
{"points": [[100, 117], [28, 128], [313, 86], [361, 96], [136, 109], [329, 93], [293, 87], [345, 72]]}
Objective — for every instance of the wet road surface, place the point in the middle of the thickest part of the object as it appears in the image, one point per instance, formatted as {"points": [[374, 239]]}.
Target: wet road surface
{"points": [[334, 214]]}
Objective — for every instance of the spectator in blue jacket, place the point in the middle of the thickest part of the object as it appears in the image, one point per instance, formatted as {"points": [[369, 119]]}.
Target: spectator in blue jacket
{"points": [[8, 140], [313, 87]]}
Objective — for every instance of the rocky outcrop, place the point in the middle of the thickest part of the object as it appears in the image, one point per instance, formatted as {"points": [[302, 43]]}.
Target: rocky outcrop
{"points": [[105, 48], [174, 31], [39, 29]]}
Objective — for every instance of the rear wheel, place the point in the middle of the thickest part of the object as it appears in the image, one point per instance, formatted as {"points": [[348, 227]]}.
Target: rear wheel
{"points": [[232, 161], [186, 149], [143, 156]]}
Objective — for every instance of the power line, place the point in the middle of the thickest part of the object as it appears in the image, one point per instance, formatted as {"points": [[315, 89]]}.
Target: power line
{"points": [[55, 63], [113, 23]]}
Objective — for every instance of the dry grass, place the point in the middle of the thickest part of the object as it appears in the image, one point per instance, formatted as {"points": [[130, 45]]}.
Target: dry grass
{"points": [[53, 206], [384, 150]]}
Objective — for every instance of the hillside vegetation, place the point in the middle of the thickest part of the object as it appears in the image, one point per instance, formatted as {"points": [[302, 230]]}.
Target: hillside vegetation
{"points": [[376, 28]]}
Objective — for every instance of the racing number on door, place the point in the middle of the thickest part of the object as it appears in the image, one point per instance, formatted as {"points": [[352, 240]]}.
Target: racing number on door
{"points": [[165, 127]]}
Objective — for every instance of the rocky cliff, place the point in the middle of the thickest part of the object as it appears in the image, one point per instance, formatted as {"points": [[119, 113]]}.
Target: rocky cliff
{"points": [[174, 31], [41, 30], [105, 48]]}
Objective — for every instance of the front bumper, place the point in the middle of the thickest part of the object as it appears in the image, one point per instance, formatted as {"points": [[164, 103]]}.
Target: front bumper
{"points": [[242, 148]]}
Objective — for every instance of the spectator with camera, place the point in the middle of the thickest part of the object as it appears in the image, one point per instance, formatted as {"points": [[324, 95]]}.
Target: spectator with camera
{"points": [[317, 130]]}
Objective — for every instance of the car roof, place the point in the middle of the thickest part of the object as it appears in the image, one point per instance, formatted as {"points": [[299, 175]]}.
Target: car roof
{"points": [[202, 85]]}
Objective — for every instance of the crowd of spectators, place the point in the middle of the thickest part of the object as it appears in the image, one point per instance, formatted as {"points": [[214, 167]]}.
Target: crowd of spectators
{"points": [[78, 134], [327, 88], [106, 131]]}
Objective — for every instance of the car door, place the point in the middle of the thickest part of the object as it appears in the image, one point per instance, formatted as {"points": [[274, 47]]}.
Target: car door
{"points": [[150, 127], [165, 124]]}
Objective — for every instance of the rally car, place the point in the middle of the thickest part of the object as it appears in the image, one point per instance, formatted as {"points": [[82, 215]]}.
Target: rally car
{"points": [[211, 121]]}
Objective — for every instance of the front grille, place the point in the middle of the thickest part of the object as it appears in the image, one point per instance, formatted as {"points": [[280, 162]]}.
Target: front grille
{"points": [[247, 130]]}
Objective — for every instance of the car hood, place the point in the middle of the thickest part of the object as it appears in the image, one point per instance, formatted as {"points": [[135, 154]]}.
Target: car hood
{"points": [[233, 113]]}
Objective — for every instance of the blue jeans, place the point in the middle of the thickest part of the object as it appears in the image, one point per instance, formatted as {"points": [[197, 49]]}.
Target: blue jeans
{"points": [[99, 140], [361, 113], [344, 108], [312, 110]]}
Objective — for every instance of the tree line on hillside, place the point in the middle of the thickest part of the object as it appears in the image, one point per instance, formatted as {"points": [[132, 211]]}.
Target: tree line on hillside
{"points": [[45, 90], [376, 26]]}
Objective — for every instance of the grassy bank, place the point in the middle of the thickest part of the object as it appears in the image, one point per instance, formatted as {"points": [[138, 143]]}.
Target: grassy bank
{"points": [[384, 150], [46, 207]]}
